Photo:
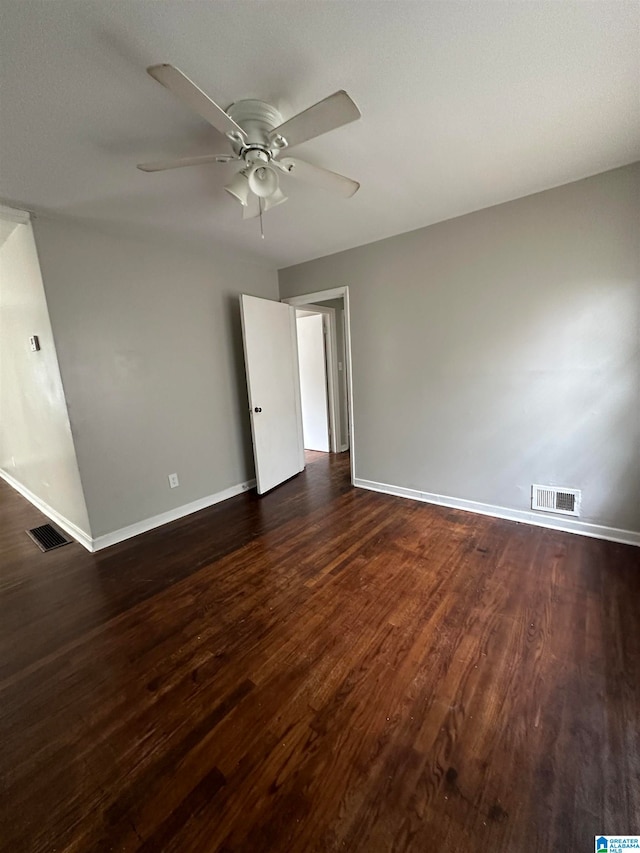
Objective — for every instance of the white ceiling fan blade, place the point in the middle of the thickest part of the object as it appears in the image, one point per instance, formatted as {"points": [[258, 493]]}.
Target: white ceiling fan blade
{"points": [[252, 208], [326, 115], [320, 177], [178, 83], [161, 165]]}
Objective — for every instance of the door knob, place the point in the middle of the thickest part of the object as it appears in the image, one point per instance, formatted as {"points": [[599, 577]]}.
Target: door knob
{"points": [[257, 409]]}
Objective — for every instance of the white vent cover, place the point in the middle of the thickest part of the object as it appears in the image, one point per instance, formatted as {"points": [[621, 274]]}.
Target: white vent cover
{"points": [[556, 499]]}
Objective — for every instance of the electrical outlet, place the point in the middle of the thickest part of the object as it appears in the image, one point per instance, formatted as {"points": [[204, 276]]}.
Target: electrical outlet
{"points": [[173, 481]]}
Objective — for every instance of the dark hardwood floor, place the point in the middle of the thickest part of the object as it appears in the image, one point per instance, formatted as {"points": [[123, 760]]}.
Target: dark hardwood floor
{"points": [[320, 669]]}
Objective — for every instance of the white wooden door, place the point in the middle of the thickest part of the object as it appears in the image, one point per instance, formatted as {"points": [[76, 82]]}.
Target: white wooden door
{"points": [[271, 361]]}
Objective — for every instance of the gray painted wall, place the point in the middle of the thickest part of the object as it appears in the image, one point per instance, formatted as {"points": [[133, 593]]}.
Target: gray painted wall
{"points": [[36, 446], [501, 349], [150, 352]]}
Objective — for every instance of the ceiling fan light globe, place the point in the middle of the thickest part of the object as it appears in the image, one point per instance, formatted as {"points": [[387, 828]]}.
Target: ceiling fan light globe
{"points": [[263, 181], [239, 188], [274, 199]]}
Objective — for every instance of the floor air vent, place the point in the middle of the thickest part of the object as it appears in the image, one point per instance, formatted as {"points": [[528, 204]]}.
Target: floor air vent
{"points": [[47, 537], [556, 499]]}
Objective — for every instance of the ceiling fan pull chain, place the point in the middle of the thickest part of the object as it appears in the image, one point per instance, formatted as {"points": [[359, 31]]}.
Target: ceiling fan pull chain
{"points": [[260, 206]]}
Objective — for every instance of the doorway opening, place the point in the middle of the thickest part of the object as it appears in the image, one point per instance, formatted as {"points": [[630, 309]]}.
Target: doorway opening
{"points": [[331, 310], [321, 360], [314, 370]]}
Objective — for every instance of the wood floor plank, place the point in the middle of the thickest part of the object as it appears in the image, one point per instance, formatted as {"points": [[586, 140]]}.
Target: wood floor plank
{"points": [[318, 669]]}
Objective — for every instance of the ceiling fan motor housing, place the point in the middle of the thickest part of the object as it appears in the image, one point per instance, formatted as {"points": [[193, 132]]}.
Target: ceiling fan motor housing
{"points": [[257, 119]]}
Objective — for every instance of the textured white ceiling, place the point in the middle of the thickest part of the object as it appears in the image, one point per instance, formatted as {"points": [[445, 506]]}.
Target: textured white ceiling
{"points": [[465, 105]]}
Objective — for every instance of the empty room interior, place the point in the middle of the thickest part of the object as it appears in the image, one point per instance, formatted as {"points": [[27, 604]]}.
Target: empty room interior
{"points": [[319, 426]]}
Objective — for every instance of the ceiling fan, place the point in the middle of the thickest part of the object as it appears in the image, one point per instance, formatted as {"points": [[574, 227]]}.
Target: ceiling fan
{"points": [[258, 136]]}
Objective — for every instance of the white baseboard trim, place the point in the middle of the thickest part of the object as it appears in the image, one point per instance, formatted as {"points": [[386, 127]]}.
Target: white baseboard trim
{"points": [[344, 447], [68, 526], [147, 524], [566, 525], [136, 529]]}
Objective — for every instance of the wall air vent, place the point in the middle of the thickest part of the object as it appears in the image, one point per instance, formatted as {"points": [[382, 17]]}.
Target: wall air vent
{"points": [[556, 499]]}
